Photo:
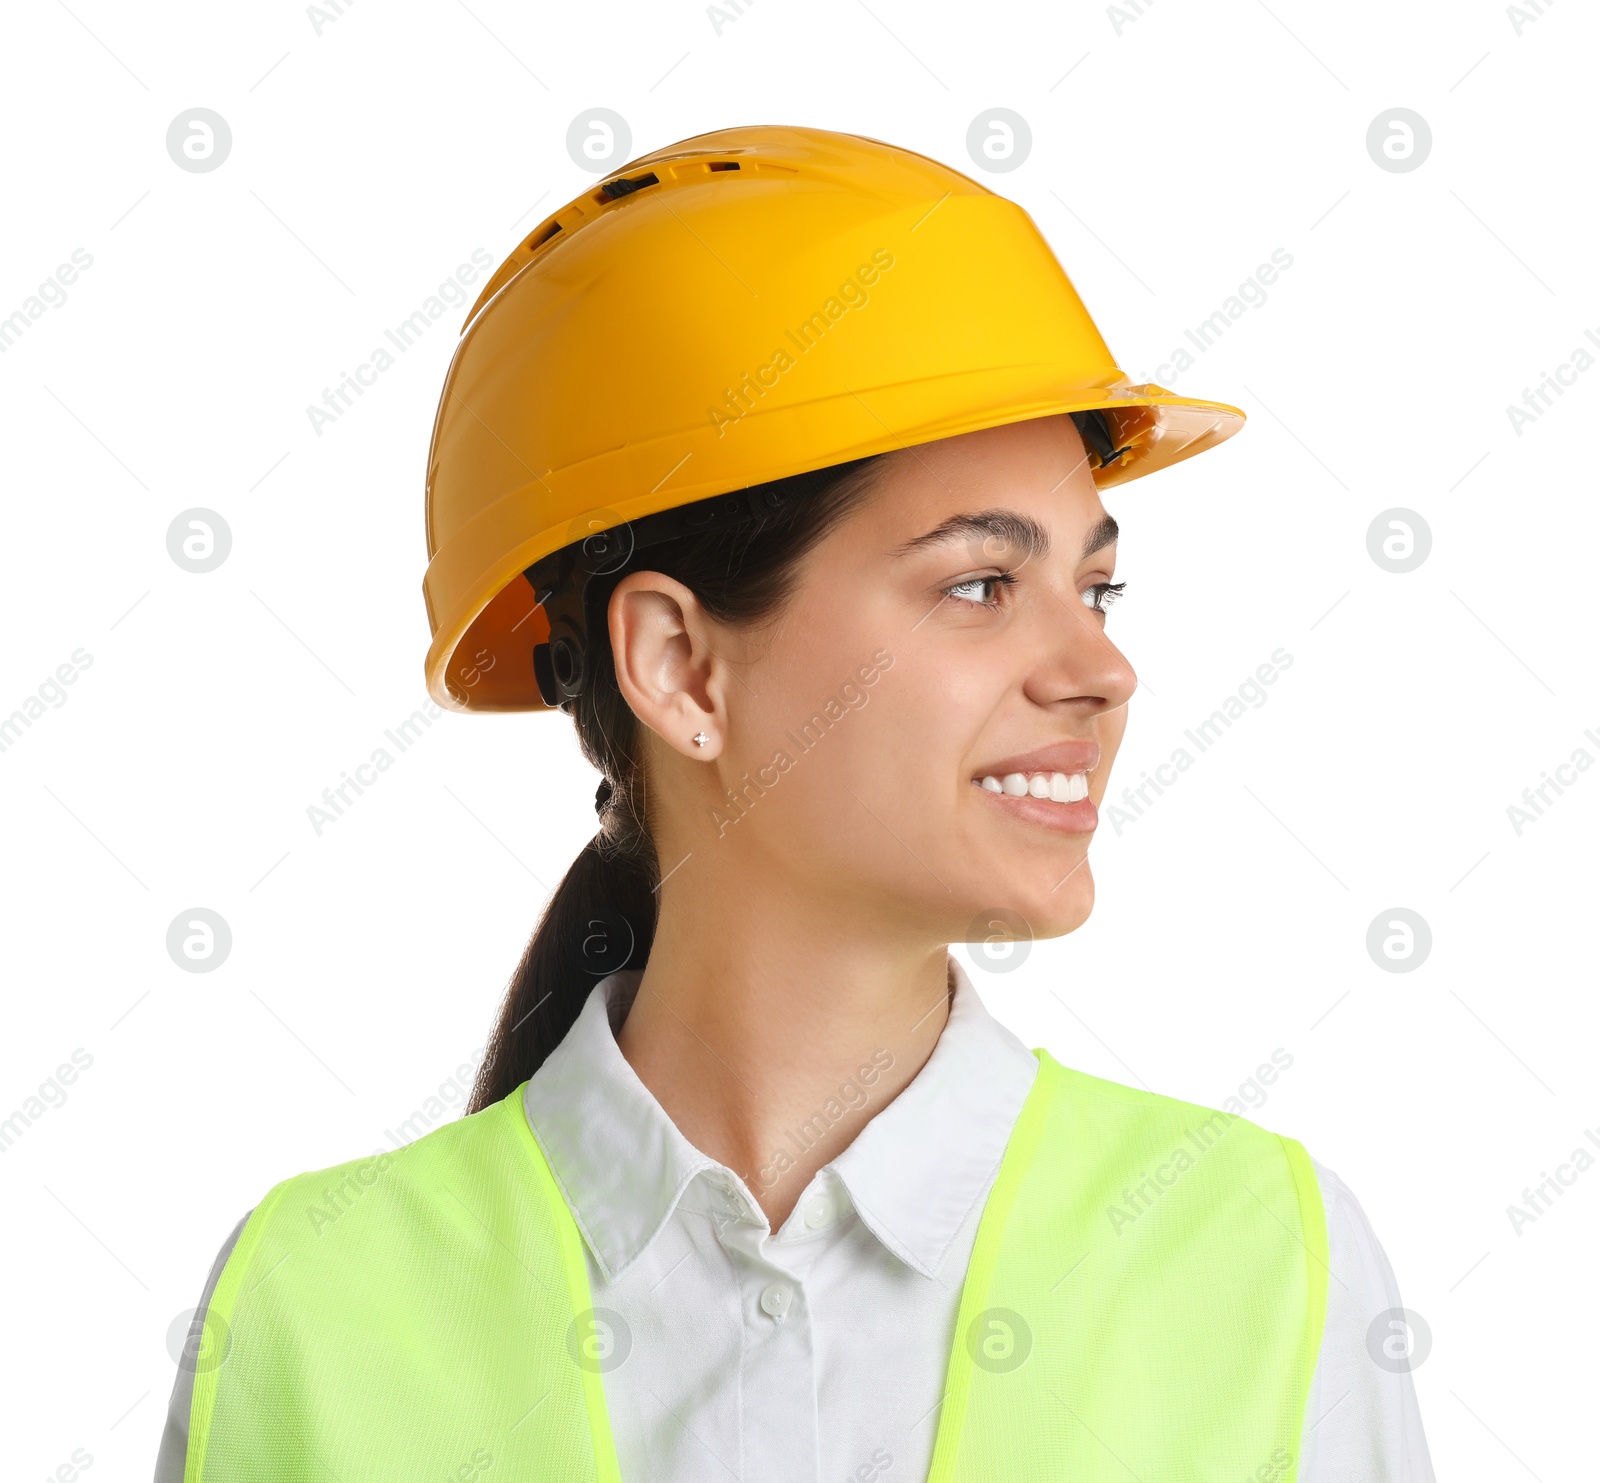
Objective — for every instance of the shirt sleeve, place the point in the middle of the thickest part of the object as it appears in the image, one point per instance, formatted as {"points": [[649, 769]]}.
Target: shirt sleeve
{"points": [[170, 1460], [1361, 1424]]}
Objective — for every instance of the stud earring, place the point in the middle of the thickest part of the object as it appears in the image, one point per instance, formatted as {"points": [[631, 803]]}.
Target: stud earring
{"points": [[701, 739]]}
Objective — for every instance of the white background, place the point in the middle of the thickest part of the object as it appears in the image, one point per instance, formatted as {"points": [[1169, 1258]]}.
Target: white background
{"points": [[1172, 152]]}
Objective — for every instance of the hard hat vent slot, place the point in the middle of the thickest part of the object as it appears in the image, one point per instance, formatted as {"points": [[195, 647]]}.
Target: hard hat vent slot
{"points": [[546, 235], [615, 189], [723, 165]]}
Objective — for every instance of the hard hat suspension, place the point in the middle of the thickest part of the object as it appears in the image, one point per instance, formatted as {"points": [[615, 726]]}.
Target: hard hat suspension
{"points": [[561, 581], [1095, 429]]}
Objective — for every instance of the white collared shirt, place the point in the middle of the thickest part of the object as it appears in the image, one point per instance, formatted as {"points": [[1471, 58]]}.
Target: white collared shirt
{"points": [[818, 1353]]}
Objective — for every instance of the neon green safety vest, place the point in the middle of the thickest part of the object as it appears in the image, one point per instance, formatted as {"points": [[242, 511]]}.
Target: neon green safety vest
{"points": [[1145, 1300]]}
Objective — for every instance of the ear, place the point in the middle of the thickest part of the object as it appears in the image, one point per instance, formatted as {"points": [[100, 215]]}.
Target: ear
{"points": [[669, 673]]}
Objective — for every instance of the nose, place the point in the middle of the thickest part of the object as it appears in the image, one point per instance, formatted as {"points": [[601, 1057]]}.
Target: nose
{"points": [[1078, 666]]}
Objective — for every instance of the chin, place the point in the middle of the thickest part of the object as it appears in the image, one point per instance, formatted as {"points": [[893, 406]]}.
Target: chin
{"points": [[1035, 909], [1067, 909]]}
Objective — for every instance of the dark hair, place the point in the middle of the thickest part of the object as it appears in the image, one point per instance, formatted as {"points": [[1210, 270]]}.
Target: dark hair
{"points": [[602, 917]]}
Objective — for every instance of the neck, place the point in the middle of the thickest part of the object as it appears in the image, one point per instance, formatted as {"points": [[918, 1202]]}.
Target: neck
{"points": [[770, 1043]]}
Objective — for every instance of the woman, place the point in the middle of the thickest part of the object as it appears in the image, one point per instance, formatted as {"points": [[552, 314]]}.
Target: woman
{"points": [[776, 462]]}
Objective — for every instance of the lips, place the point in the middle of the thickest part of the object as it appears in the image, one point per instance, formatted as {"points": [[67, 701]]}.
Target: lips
{"points": [[1064, 756], [1049, 786]]}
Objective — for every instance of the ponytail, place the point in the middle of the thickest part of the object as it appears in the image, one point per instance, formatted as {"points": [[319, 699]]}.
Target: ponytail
{"points": [[602, 917]]}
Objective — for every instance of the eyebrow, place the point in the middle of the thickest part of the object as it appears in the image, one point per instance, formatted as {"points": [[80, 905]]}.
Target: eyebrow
{"points": [[1011, 527]]}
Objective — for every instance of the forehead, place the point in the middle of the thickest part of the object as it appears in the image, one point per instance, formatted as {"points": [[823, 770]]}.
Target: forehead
{"points": [[1038, 468]]}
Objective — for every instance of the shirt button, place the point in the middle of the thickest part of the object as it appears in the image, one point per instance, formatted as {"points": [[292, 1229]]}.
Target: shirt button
{"points": [[819, 1212], [775, 1300]]}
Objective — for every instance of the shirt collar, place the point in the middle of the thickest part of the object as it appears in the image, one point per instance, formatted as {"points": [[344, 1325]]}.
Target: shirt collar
{"points": [[913, 1173], [620, 1161], [917, 1169]]}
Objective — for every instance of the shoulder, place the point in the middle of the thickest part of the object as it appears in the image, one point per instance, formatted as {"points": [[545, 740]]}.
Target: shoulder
{"points": [[1356, 1258], [1362, 1417], [394, 1177], [1142, 1112], [1136, 1149]]}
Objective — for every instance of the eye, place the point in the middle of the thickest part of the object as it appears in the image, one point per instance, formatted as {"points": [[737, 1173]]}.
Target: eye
{"points": [[967, 589], [1101, 595]]}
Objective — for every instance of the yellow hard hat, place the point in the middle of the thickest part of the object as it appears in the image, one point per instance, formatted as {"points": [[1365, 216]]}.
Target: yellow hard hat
{"points": [[740, 307]]}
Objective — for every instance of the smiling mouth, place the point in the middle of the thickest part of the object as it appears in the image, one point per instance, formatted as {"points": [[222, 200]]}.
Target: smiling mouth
{"points": [[1058, 787]]}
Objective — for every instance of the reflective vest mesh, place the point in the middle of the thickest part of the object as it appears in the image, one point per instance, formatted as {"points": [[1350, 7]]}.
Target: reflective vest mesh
{"points": [[1145, 1300]]}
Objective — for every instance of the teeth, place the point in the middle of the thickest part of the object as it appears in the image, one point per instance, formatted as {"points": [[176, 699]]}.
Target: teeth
{"points": [[1060, 787]]}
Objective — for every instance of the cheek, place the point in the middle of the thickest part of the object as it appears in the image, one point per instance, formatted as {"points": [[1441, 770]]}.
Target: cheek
{"points": [[879, 741], [875, 762], [824, 675]]}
